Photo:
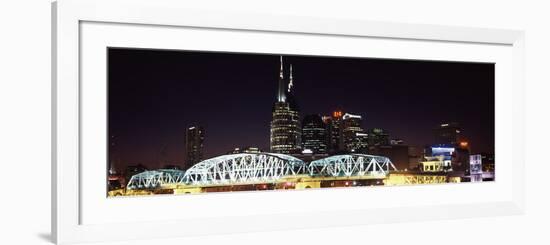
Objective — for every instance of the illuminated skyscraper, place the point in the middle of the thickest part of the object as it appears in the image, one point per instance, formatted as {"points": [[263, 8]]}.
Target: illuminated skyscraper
{"points": [[194, 144], [353, 137], [333, 132], [314, 134], [285, 129]]}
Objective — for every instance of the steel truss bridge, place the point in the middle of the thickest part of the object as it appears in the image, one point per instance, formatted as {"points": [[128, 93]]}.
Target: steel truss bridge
{"points": [[351, 165], [254, 168]]}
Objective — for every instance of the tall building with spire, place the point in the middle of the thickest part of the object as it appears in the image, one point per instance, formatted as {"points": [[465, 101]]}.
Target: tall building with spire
{"points": [[285, 128]]}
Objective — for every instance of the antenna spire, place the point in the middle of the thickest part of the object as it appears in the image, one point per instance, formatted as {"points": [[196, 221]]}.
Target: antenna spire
{"points": [[281, 71], [290, 83], [281, 94]]}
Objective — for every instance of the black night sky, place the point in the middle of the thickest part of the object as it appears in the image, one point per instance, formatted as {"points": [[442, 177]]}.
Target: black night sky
{"points": [[154, 95]]}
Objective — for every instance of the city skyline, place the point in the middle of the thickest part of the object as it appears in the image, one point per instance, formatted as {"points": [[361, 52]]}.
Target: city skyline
{"points": [[155, 95]]}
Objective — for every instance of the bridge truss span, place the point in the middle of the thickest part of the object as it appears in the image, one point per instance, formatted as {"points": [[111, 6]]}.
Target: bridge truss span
{"points": [[351, 165], [243, 168], [155, 179], [256, 168]]}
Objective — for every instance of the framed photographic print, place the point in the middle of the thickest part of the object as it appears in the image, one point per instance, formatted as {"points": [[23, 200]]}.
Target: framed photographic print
{"points": [[183, 122], [194, 122]]}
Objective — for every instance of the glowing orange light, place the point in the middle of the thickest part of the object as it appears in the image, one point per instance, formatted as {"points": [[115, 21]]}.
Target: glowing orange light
{"points": [[337, 114], [463, 143]]}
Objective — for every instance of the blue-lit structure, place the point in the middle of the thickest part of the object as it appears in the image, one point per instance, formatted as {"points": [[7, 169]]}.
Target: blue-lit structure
{"points": [[155, 179], [351, 165], [243, 168], [254, 168], [445, 150]]}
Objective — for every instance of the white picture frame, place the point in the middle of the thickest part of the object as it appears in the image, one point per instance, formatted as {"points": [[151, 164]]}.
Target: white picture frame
{"points": [[69, 198]]}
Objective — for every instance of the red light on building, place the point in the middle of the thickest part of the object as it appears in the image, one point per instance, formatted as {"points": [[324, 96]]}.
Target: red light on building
{"points": [[337, 114]]}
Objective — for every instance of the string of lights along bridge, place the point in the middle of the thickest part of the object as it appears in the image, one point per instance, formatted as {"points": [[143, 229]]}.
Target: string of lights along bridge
{"points": [[316, 152]]}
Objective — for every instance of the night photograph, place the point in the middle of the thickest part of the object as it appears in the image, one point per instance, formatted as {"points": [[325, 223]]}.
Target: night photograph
{"points": [[187, 122]]}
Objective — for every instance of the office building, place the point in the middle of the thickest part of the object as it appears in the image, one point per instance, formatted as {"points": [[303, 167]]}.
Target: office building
{"points": [[314, 134], [353, 138], [194, 145], [333, 123], [285, 127]]}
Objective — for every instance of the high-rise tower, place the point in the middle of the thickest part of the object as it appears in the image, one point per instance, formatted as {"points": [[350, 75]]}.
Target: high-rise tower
{"points": [[333, 123], [352, 135], [314, 134], [194, 144], [285, 130]]}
